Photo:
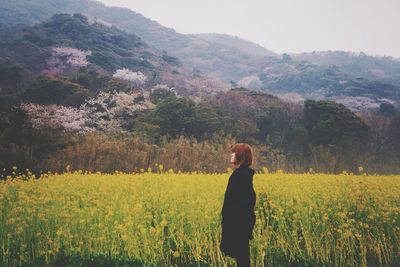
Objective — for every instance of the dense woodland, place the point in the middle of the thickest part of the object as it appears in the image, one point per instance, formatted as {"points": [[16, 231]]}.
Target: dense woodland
{"points": [[186, 136], [83, 94]]}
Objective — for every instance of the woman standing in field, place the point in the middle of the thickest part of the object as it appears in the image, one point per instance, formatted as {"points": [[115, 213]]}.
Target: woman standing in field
{"points": [[238, 217]]}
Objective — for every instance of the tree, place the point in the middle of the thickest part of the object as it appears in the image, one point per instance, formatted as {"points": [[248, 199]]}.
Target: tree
{"points": [[49, 90], [392, 138], [11, 78], [160, 93], [206, 120], [23, 146], [387, 110], [286, 57], [337, 133], [174, 116], [328, 122]]}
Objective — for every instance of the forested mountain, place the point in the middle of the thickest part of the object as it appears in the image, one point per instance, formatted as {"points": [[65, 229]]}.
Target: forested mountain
{"points": [[94, 56], [325, 82], [151, 32], [384, 69], [236, 61]]}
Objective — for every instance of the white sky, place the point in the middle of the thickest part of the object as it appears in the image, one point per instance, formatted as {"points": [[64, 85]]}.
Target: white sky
{"points": [[371, 26]]}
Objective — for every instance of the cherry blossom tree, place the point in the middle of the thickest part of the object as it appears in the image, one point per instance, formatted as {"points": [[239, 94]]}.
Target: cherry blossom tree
{"points": [[137, 78], [58, 117], [65, 58]]}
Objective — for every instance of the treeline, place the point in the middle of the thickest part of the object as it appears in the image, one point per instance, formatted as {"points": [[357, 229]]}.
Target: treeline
{"points": [[195, 136]]}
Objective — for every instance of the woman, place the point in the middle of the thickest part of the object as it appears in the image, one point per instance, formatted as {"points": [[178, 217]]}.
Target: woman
{"points": [[238, 217]]}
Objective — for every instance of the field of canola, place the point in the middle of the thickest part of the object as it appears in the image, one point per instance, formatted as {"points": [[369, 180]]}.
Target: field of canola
{"points": [[169, 219]]}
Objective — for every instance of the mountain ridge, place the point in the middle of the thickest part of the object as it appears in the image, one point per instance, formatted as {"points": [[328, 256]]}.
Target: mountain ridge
{"points": [[381, 68], [232, 59], [66, 45]]}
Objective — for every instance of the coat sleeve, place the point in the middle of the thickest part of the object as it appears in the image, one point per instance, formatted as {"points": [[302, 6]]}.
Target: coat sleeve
{"points": [[245, 213], [228, 208]]}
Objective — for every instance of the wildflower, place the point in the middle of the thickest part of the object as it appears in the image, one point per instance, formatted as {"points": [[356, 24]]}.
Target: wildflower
{"points": [[152, 230], [347, 234], [360, 169], [265, 170]]}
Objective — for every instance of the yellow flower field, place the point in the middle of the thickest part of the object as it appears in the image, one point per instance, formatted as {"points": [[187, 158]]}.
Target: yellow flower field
{"points": [[169, 219]]}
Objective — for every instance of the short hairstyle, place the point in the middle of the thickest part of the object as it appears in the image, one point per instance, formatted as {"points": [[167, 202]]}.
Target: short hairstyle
{"points": [[243, 153]]}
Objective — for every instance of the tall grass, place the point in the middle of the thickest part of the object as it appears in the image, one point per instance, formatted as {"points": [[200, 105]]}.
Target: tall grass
{"points": [[165, 218]]}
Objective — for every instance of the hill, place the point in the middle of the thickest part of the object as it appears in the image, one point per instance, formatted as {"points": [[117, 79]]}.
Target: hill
{"points": [[361, 83], [223, 49], [286, 75], [384, 69], [67, 46]]}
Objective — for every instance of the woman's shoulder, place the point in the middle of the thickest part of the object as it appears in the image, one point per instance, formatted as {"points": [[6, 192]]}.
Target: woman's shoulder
{"points": [[246, 169], [242, 174]]}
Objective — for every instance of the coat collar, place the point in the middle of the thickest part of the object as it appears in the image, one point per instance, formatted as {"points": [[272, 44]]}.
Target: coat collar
{"points": [[243, 167]]}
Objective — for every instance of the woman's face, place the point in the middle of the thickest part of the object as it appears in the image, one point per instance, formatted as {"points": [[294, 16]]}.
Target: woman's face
{"points": [[233, 157]]}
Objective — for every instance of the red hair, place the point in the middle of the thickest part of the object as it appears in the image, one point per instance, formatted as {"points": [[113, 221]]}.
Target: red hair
{"points": [[243, 153]]}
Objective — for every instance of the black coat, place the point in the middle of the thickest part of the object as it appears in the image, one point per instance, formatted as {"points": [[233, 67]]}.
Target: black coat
{"points": [[238, 217]]}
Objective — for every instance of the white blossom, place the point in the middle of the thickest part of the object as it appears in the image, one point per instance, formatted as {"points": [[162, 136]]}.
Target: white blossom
{"points": [[94, 21], [250, 82], [63, 58], [74, 57], [58, 117], [118, 104], [136, 78], [291, 97], [359, 102]]}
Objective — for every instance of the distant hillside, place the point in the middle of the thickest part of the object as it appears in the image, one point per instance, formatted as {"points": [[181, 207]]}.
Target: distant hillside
{"points": [[301, 79], [194, 50], [383, 69], [108, 48], [234, 60], [66, 45], [237, 43], [26, 11], [228, 57]]}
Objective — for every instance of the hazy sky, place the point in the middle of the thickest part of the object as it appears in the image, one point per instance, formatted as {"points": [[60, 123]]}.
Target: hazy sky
{"points": [[371, 26]]}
